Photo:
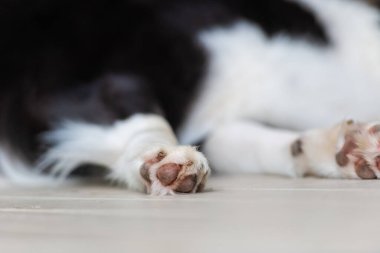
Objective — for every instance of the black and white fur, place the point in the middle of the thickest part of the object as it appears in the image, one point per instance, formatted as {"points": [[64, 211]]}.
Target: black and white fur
{"points": [[120, 84]]}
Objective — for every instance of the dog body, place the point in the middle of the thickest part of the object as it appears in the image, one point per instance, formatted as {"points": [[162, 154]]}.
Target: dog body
{"points": [[116, 83]]}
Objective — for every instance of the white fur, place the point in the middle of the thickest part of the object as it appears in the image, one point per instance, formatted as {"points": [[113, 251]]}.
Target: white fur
{"points": [[319, 147], [353, 27], [286, 82], [250, 147], [19, 172], [119, 147], [289, 82], [122, 148]]}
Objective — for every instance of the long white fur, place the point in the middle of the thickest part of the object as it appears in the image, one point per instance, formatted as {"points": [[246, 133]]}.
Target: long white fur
{"points": [[119, 147], [17, 171], [122, 148]]}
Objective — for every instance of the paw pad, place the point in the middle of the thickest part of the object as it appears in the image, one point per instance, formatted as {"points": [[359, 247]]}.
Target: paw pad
{"points": [[179, 169], [187, 184], [363, 170], [168, 173]]}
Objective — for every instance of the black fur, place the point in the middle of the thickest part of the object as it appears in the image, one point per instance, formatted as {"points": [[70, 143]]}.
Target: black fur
{"points": [[104, 60]]}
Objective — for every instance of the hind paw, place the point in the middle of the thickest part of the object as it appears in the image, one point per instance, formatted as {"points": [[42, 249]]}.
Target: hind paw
{"points": [[359, 150]]}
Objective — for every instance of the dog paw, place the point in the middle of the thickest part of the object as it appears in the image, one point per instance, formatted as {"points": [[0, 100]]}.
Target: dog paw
{"points": [[179, 169], [358, 153]]}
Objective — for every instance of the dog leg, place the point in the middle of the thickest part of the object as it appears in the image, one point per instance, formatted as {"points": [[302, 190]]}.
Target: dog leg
{"points": [[140, 151], [246, 146], [347, 150]]}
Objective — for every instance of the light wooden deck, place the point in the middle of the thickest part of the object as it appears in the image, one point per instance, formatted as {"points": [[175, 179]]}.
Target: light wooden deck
{"points": [[237, 214]]}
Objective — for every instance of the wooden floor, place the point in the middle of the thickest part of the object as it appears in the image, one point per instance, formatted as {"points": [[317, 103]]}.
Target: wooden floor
{"points": [[237, 214]]}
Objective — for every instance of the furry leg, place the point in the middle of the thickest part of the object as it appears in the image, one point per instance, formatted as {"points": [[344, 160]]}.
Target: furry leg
{"points": [[141, 150], [251, 147], [347, 150]]}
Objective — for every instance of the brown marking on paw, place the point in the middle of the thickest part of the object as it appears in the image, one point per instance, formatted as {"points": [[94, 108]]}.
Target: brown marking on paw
{"points": [[296, 148], [168, 173], [187, 184], [158, 158], [161, 155], [144, 172], [341, 157], [363, 170]]}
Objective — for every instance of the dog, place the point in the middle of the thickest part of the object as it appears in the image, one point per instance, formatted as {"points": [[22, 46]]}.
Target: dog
{"points": [[137, 86]]}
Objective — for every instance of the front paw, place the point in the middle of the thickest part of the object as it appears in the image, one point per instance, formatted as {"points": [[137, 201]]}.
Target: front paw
{"points": [[170, 170]]}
